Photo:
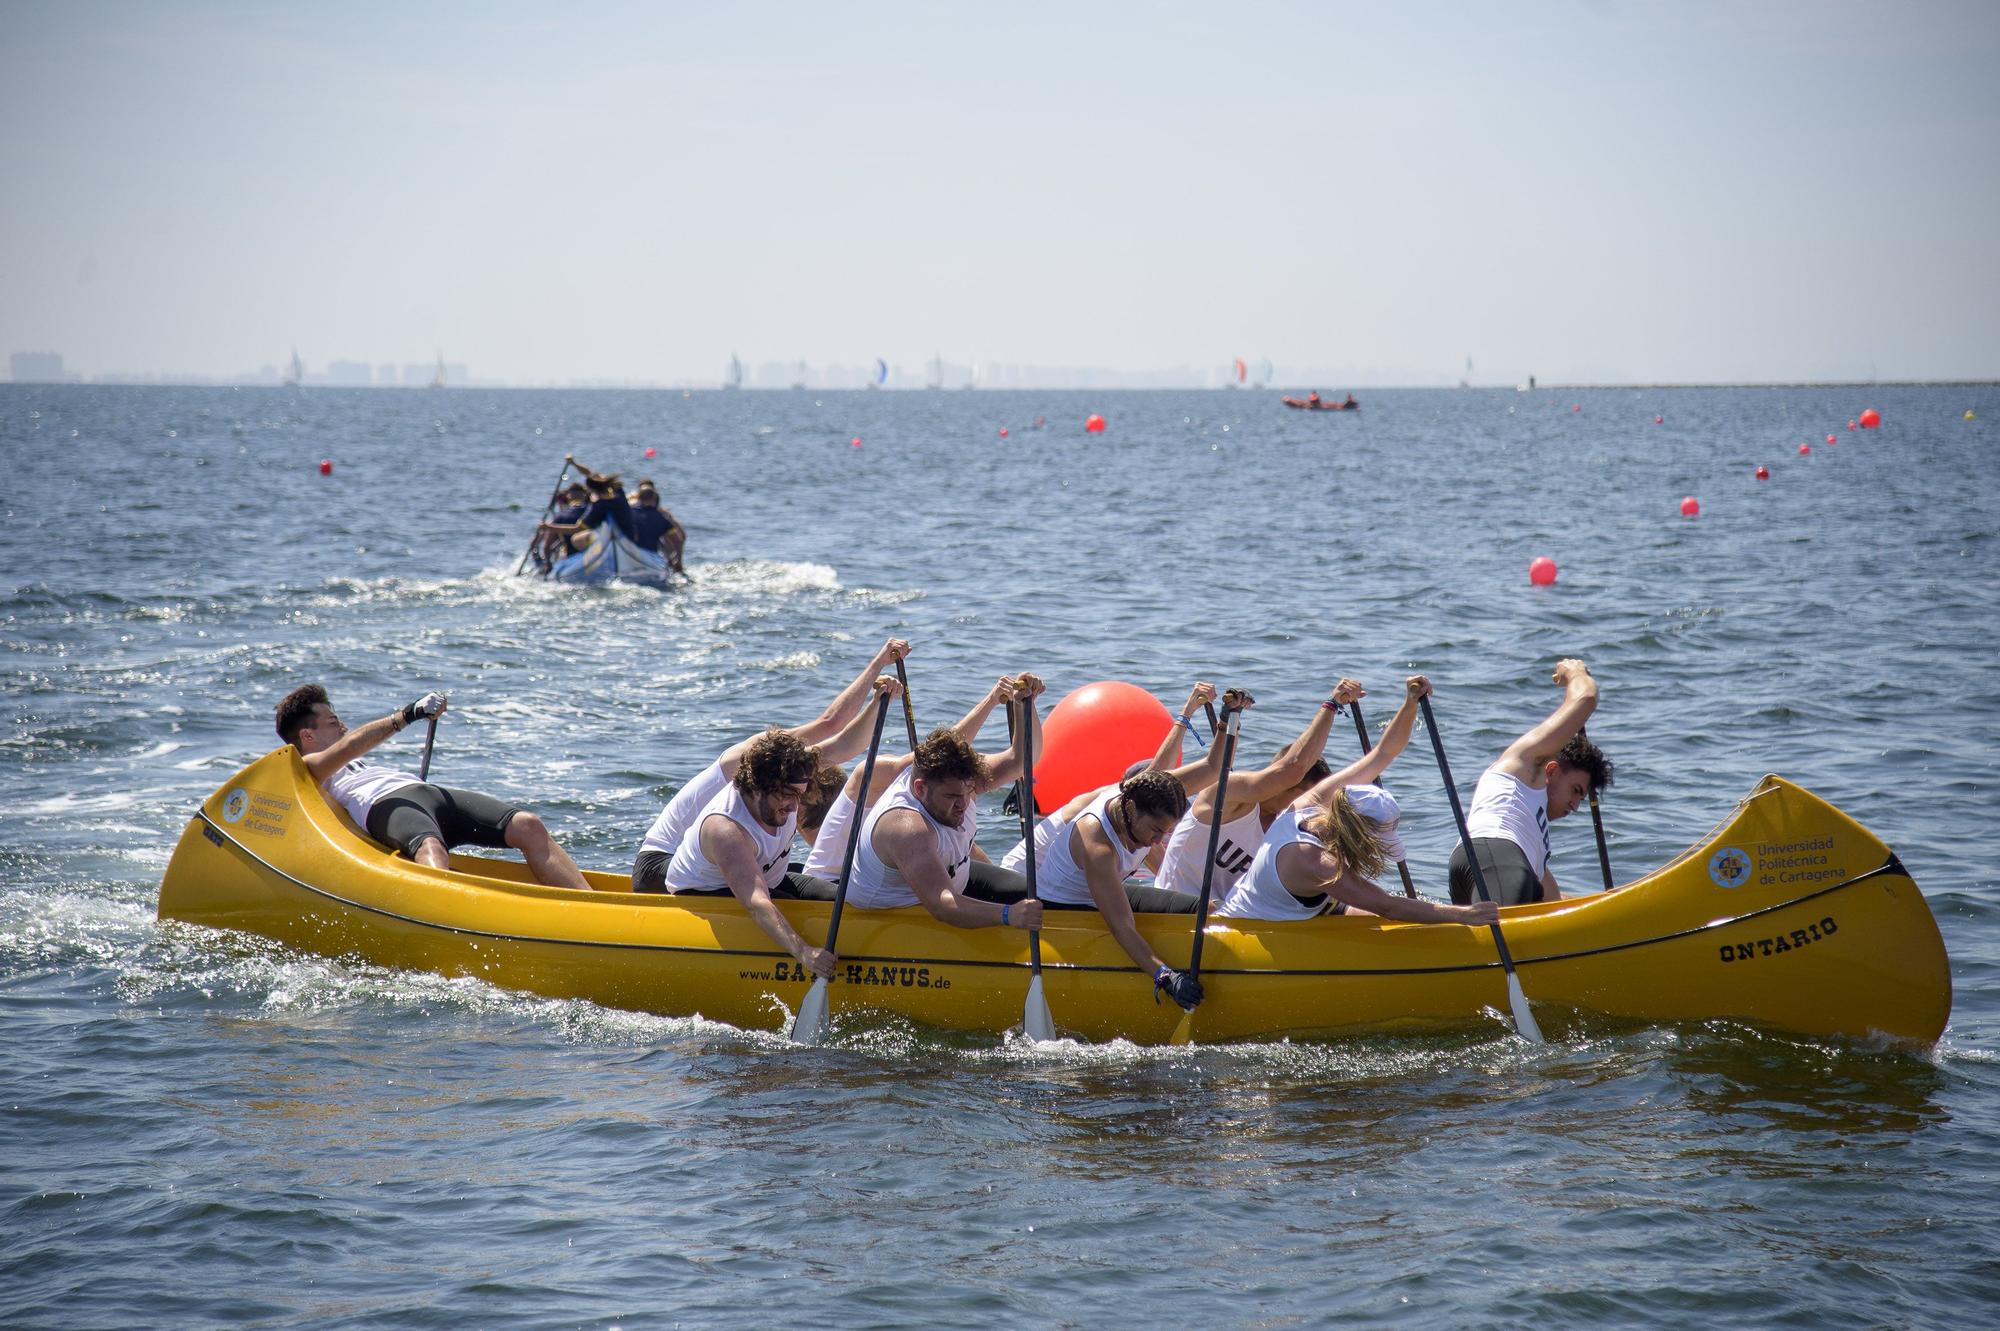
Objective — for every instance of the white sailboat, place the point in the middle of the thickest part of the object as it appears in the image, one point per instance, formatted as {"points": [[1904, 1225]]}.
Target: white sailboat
{"points": [[295, 372], [936, 379], [734, 379], [437, 376], [799, 379], [881, 373]]}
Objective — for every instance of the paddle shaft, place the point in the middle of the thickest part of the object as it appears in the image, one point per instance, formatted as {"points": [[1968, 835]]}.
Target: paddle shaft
{"points": [[909, 710], [430, 738], [547, 509], [1597, 825], [1026, 787], [1464, 832], [1232, 721], [854, 833], [1214, 726], [1368, 746]]}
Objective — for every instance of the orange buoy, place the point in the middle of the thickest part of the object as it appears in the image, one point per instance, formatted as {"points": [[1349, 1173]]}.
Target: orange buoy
{"points": [[1095, 425], [326, 466], [1092, 736], [1690, 506], [1763, 473], [1542, 571], [1871, 419]]}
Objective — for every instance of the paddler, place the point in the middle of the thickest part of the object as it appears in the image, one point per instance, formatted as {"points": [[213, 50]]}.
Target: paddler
{"points": [[607, 503], [1088, 848], [1255, 801], [1323, 853], [916, 845], [741, 842], [400, 809], [827, 828], [1544, 775], [836, 734]]}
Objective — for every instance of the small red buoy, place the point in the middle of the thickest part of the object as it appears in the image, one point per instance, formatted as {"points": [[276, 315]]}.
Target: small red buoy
{"points": [[855, 442], [1577, 407], [1542, 571], [1850, 425], [1690, 506], [1658, 419], [652, 452], [1871, 419], [1833, 439], [1095, 425], [1003, 432], [1763, 473], [1804, 449], [326, 466]]}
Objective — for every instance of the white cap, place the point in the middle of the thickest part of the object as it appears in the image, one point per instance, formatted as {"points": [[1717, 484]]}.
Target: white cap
{"points": [[1379, 807]]}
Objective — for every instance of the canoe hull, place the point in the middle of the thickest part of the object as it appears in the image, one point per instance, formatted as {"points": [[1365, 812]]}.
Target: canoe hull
{"points": [[1790, 916]]}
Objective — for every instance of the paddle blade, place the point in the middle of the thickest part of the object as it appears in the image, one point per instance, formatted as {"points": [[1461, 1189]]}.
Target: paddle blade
{"points": [[1184, 1033], [810, 1024], [1524, 1020], [1036, 1019]]}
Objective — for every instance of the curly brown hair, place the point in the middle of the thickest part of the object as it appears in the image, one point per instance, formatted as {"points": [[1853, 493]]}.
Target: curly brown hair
{"points": [[1155, 794], [295, 710], [945, 756], [775, 759]]}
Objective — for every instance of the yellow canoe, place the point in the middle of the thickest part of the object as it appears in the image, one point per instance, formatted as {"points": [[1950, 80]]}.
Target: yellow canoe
{"points": [[1790, 915]]}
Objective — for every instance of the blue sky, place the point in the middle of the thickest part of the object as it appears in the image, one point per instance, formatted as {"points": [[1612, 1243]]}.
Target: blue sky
{"points": [[1606, 192]]}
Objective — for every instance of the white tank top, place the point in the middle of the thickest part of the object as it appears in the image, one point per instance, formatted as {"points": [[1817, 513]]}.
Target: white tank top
{"points": [[359, 787], [1187, 853], [1260, 894], [1507, 807], [877, 885], [1058, 876], [830, 846], [691, 870], [671, 827]]}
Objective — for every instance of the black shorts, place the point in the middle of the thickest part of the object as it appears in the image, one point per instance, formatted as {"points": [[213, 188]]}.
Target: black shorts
{"points": [[990, 882], [411, 815], [1504, 865], [1146, 901]]}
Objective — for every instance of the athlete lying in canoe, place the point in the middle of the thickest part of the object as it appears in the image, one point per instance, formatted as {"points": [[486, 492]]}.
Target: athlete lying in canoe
{"points": [[1325, 850], [1544, 775], [838, 733], [398, 808]]}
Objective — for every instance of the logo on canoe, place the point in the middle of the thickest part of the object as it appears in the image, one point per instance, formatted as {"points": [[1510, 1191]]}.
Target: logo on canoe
{"points": [[1730, 867], [234, 804]]}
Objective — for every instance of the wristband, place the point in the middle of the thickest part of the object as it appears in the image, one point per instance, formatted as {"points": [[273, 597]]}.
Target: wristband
{"points": [[1003, 912], [1332, 706], [1193, 734]]}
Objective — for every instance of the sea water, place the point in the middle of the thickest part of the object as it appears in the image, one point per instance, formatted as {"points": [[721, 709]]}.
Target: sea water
{"points": [[202, 1128]]}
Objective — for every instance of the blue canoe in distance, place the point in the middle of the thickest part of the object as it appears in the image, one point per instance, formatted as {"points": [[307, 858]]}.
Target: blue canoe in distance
{"points": [[612, 557]]}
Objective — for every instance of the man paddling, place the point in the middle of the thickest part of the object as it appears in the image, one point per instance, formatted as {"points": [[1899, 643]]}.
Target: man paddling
{"points": [[1086, 850], [399, 809], [916, 845], [1255, 801], [837, 734], [1542, 776], [1324, 851]]}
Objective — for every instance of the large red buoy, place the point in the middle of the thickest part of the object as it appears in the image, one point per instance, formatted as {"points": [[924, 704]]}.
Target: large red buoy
{"points": [[1542, 571], [1871, 419], [1095, 425], [1763, 473], [326, 466], [1092, 736], [1690, 506]]}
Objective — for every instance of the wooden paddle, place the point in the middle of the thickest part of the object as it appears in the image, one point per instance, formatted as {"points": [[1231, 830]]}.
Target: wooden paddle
{"points": [[1597, 825], [1368, 746], [1036, 1019], [810, 1024], [547, 509], [1232, 722], [909, 710], [1524, 1020]]}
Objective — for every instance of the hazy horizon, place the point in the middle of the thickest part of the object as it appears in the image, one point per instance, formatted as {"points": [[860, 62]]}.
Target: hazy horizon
{"points": [[1586, 193]]}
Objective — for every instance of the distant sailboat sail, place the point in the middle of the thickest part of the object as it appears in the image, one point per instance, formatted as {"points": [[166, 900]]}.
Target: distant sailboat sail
{"points": [[1264, 372], [437, 379], [1242, 370], [295, 373], [799, 380], [881, 372], [936, 379], [734, 379]]}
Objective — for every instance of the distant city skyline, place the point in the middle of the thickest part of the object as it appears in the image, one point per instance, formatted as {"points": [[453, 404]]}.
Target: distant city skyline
{"points": [[1774, 191]]}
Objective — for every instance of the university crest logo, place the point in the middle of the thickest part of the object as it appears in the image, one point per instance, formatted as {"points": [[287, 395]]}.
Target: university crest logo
{"points": [[234, 805], [1730, 867]]}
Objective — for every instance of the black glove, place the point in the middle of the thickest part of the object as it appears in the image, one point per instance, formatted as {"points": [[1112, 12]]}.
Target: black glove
{"points": [[1183, 988], [429, 705]]}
